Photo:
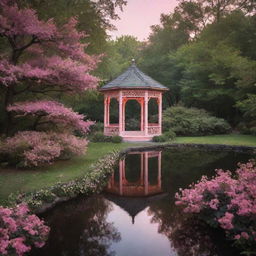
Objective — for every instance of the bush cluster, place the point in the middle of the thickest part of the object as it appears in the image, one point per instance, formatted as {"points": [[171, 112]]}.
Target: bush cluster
{"points": [[227, 202], [247, 128], [31, 148], [167, 136], [100, 137], [20, 230], [193, 122]]}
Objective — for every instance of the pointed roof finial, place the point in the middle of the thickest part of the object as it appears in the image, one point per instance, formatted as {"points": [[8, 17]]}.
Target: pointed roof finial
{"points": [[133, 61]]}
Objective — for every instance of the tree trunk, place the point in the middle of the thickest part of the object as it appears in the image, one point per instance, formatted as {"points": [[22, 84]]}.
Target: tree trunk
{"points": [[7, 102]]}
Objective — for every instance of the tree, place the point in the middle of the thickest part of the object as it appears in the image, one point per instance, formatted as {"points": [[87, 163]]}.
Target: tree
{"points": [[118, 56], [42, 58], [158, 55], [202, 12], [94, 17], [43, 61], [218, 69]]}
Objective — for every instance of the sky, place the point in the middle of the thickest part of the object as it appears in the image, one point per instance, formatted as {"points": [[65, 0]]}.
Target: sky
{"points": [[139, 15]]}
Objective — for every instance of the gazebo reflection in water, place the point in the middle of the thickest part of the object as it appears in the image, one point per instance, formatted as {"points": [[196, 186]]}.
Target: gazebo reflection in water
{"points": [[137, 182]]}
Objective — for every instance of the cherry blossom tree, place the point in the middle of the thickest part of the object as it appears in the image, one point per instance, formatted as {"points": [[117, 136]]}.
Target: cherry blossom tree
{"points": [[40, 61], [42, 58]]}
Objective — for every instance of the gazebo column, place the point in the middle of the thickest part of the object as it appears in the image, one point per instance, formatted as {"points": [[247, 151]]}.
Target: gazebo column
{"points": [[141, 167], [120, 113], [142, 114], [159, 101], [105, 111], [146, 174], [123, 113], [159, 169], [108, 110], [121, 172], [146, 113]]}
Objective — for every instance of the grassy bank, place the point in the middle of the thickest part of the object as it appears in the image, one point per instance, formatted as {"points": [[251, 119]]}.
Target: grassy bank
{"points": [[13, 181], [236, 139]]}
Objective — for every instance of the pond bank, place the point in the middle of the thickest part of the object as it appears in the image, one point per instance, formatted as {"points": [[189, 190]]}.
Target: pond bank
{"points": [[140, 199], [217, 147], [96, 179], [23, 181]]}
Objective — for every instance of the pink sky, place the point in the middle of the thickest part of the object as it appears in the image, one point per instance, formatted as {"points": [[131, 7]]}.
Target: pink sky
{"points": [[139, 15]]}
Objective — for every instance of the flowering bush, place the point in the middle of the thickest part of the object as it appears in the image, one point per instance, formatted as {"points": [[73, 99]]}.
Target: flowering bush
{"points": [[226, 201], [20, 231], [52, 114], [30, 148]]}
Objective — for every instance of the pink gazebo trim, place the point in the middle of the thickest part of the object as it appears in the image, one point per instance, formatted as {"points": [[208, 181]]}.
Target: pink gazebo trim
{"points": [[147, 130]]}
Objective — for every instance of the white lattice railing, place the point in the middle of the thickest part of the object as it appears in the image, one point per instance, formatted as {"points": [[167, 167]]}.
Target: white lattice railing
{"points": [[111, 130], [154, 129]]}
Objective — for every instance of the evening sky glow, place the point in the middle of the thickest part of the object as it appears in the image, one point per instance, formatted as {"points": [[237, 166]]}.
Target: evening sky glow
{"points": [[139, 15]]}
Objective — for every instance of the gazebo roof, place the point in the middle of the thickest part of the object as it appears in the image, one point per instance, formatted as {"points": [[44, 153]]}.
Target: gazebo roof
{"points": [[133, 78], [134, 205]]}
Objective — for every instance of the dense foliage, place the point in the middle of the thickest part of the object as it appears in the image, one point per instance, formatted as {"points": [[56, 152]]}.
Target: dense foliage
{"points": [[20, 230], [226, 201], [165, 137], [100, 137], [192, 121], [41, 61], [31, 148], [198, 53]]}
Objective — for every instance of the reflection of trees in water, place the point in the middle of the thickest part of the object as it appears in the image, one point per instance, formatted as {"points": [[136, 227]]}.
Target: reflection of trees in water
{"points": [[97, 237], [79, 228], [190, 237]]}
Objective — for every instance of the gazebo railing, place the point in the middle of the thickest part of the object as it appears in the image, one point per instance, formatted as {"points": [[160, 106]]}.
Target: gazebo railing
{"points": [[154, 129], [113, 129]]}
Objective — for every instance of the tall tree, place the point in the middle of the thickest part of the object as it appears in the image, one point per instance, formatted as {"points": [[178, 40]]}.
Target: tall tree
{"points": [[203, 12], [41, 59], [219, 66], [94, 17]]}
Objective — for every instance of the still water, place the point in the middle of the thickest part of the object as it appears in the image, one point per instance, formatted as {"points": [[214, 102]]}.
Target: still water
{"points": [[136, 214]]}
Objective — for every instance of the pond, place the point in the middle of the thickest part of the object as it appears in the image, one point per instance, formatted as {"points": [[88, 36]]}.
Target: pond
{"points": [[136, 214]]}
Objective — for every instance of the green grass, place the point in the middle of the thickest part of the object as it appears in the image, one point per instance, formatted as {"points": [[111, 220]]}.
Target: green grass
{"points": [[13, 180], [232, 139]]}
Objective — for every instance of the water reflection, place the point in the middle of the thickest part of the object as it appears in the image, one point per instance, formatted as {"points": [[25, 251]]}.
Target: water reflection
{"points": [[80, 227], [123, 183], [136, 215]]}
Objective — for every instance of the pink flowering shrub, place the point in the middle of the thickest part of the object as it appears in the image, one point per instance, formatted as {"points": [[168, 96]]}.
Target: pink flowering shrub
{"points": [[31, 148], [52, 114], [227, 202], [20, 230]]}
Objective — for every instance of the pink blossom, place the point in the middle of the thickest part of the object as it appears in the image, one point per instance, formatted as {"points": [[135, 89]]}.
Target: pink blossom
{"points": [[245, 235], [59, 61], [39, 148], [52, 111], [29, 231], [226, 221], [233, 194]]}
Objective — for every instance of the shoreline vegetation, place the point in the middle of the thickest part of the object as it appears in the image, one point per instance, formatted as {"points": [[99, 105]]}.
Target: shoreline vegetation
{"points": [[36, 186]]}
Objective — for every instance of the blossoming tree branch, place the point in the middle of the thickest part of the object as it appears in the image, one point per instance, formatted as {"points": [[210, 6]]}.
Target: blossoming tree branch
{"points": [[43, 59]]}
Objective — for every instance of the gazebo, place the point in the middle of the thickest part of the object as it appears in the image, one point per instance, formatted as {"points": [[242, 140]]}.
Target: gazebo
{"points": [[133, 84]]}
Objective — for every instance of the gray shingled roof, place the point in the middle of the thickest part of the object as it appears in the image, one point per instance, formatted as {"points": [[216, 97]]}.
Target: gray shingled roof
{"points": [[133, 78]]}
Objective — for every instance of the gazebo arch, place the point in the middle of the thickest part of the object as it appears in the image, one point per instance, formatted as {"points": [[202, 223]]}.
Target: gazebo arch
{"points": [[133, 84]]}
